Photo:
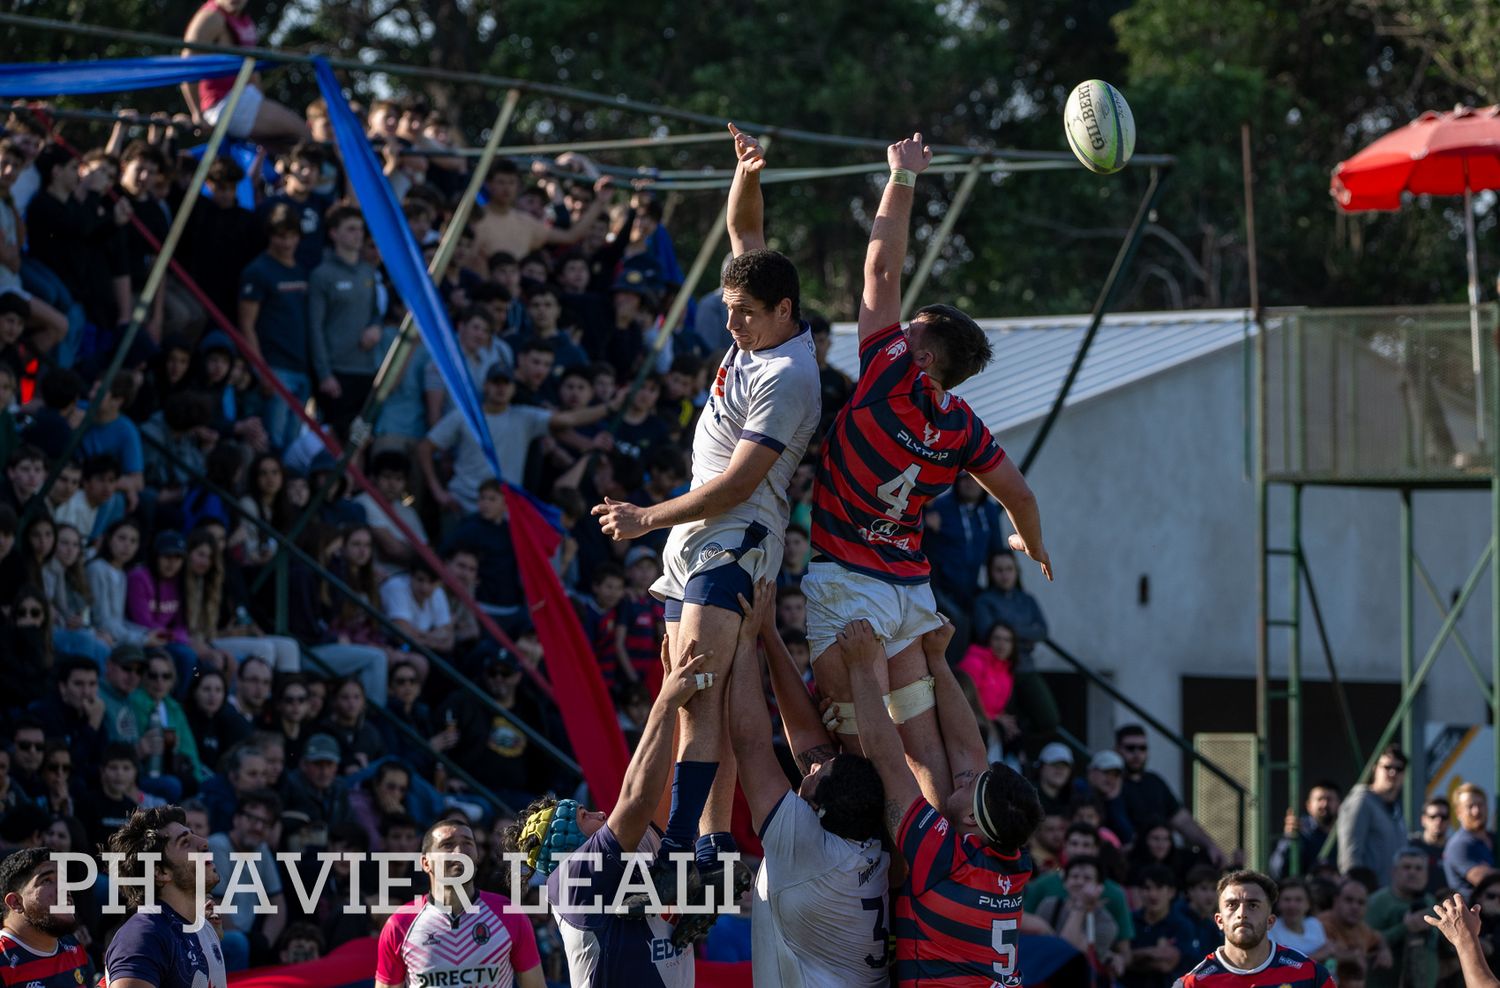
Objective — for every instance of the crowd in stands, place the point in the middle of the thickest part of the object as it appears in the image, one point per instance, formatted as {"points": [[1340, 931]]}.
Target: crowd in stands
{"points": [[147, 520]]}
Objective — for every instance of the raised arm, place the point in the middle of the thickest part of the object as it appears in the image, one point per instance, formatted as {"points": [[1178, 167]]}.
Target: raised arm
{"points": [[761, 776], [1006, 485], [880, 305], [805, 733], [1460, 925], [652, 762], [961, 737], [860, 652], [747, 209]]}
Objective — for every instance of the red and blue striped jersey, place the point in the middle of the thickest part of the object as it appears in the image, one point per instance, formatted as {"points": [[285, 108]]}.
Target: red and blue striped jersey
{"points": [[958, 915], [895, 446], [66, 967], [1284, 968]]}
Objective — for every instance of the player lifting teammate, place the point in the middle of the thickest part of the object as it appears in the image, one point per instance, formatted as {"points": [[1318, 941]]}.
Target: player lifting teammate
{"points": [[899, 442], [818, 919], [958, 914], [728, 529]]}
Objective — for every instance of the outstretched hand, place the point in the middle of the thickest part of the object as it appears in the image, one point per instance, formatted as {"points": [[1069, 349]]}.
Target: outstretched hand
{"points": [[858, 645], [1456, 921], [682, 680], [756, 611], [747, 149], [910, 154], [1039, 554]]}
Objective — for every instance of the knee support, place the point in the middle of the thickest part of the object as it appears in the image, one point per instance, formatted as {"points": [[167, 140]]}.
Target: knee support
{"points": [[902, 705]]}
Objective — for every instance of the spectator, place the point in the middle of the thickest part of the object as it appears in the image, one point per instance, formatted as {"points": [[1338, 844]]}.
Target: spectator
{"points": [[1433, 838], [1155, 847], [159, 717], [1148, 797], [463, 567], [1082, 920], [174, 310], [27, 741], [835, 384], [75, 232], [512, 428], [1082, 841], [1159, 954], [252, 693], [314, 788], [122, 677], [74, 714], [1054, 778], [491, 746], [502, 227], [406, 708], [96, 505], [53, 424], [390, 470], [415, 603], [964, 529], [343, 321], [221, 238], [1470, 853], [1106, 786], [1395, 912], [273, 317], [154, 599], [989, 666], [642, 619], [217, 619], [242, 770], [69, 477], [293, 718], [1047, 843], [107, 586], [104, 810], [1350, 938], [1294, 927], [117, 437], [1005, 601], [1312, 832], [1202, 895], [216, 726], [535, 384], [481, 348], [347, 723], [641, 429], [246, 933], [544, 309], [1371, 827], [791, 610], [381, 796]]}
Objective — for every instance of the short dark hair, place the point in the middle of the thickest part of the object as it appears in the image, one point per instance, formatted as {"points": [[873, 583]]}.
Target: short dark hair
{"points": [[140, 150], [1393, 751], [225, 171], [16, 870], [1079, 827], [390, 821], [282, 218], [851, 798], [8, 520], [390, 461], [1198, 874], [74, 663], [541, 290], [503, 166], [266, 799], [605, 570], [22, 453], [61, 388], [142, 834], [338, 214], [477, 312], [1159, 875], [119, 751], [1244, 876], [1085, 861], [960, 348], [101, 465], [766, 276], [1334, 786], [1129, 731], [1012, 806]]}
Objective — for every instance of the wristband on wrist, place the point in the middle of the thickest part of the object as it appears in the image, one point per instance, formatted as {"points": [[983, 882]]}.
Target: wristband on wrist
{"points": [[904, 176]]}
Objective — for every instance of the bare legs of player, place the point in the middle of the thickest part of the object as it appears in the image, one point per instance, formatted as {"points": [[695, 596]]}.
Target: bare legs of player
{"points": [[920, 735]]}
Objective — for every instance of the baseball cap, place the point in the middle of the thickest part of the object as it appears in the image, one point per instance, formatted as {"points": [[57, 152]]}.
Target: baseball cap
{"points": [[500, 657], [1055, 752], [1106, 761], [497, 372], [637, 553], [171, 543], [127, 655], [321, 748]]}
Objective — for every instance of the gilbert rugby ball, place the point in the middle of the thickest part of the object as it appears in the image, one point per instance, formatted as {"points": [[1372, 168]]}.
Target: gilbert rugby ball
{"points": [[1100, 127]]}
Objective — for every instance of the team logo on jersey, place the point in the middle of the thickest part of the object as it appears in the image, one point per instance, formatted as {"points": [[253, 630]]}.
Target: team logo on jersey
{"points": [[896, 349], [78, 975], [481, 934], [883, 533], [432, 939], [885, 528], [709, 551], [33, 984], [929, 434], [719, 380], [1004, 884]]}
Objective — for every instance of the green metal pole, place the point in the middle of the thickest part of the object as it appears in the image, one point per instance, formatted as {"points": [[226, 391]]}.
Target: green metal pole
{"points": [[1464, 648], [1408, 639], [940, 238], [394, 364], [154, 279], [1294, 667]]}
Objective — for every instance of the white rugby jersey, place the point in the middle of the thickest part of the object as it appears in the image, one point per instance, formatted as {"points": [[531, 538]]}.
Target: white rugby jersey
{"points": [[820, 918], [772, 397], [425, 946]]}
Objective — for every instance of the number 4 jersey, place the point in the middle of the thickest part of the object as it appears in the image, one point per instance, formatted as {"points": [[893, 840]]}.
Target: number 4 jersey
{"points": [[958, 916], [895, 446]]}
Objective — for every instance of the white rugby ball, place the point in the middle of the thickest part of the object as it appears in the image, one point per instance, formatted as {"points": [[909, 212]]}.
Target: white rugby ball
{"points": [[1100, 127]]}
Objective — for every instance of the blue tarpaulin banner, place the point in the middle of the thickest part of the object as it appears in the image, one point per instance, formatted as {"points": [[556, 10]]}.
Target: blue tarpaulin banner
{"points": [[117, 75]]}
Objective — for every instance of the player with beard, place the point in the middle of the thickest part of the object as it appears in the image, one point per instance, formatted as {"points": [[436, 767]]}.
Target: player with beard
{"points": [[163, 949], [37, 946], [1248, 958]]}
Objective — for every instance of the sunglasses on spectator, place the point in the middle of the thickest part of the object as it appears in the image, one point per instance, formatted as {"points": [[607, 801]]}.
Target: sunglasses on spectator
{"points": [[1134, 747], [1435, 816], [62, 768], [31, 612], [255, 818], [1394, 768], [28, 746], [161, 676]]}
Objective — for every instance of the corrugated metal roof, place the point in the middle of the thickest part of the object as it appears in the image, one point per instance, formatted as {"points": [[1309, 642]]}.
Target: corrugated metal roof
{"points": [[1032, 357]]}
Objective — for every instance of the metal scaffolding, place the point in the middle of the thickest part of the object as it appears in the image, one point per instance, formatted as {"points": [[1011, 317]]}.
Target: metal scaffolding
{"points": [[1375, 399]]}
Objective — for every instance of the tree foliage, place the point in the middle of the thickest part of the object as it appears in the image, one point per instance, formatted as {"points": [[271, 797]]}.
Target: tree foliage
{"points": [[1315, 79]]}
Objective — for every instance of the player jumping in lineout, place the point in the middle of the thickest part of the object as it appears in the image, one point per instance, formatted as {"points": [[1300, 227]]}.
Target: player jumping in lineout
{"points": [[902, 440], [728, 530]]}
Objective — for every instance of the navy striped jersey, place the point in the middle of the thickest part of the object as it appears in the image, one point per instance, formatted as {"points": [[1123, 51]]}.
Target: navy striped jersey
{"points": [[895, 446], [1284, 968], [65, 967], [158, 948], [958, 915]]}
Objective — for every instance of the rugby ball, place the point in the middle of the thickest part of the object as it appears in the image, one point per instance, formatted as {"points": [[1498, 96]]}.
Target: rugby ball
{"points": [[1100, 127]]}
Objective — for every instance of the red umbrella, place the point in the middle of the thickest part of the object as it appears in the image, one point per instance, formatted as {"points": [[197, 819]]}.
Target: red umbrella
{"points": [[1440, 154]]}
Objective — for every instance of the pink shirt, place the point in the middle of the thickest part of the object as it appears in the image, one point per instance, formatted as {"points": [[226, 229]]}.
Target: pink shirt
{"points": [[153, 603], [421, 946], [242, 31]]}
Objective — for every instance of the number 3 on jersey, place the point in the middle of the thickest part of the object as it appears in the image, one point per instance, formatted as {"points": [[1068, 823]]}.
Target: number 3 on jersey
{"points": [[898, 491], [1003, 936]]}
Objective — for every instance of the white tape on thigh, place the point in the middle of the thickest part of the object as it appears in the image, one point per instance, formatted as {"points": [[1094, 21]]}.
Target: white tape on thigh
{"points": [[910, 700]]}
